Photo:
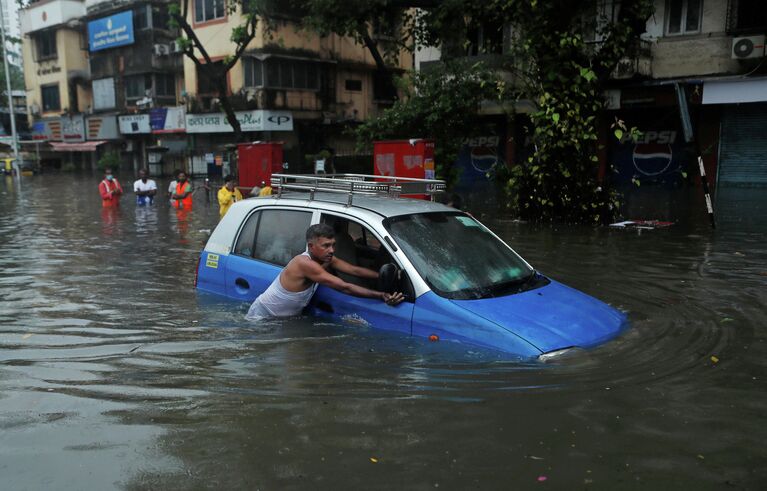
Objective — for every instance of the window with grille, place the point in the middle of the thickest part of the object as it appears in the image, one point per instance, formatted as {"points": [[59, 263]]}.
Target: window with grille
{"points": [[207, 10], [50, 96], [683, 17], [46, 45], [281, 73]]}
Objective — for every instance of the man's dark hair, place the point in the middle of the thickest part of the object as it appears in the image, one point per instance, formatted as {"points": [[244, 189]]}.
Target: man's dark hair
{"points": [[319, 230], [228, 178]]}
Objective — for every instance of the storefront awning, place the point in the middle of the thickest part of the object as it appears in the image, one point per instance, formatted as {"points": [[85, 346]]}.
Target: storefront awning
{"points": [[735, 91], [89, 146]]}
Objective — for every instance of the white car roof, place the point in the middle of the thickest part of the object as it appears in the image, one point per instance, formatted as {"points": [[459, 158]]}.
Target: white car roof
{"points": [[367, 208]]}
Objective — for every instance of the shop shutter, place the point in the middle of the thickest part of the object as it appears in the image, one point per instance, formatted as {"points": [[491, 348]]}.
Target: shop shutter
{"points": [[743, 155]]}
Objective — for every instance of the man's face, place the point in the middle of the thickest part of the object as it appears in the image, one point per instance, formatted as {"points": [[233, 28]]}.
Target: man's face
{"points": [[322, 249], [230, 185], [108, 173], [142, 175], [181, 177]]}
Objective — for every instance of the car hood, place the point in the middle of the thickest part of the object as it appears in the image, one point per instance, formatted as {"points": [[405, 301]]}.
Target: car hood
{"points": [[551, 317]]}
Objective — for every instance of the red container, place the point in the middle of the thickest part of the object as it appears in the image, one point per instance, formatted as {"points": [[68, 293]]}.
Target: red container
{"points": [[257, 162], [404, 158]]}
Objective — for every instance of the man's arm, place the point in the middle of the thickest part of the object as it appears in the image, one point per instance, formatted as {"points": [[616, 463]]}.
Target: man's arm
{"points": [[317, 273], [344, 267]]}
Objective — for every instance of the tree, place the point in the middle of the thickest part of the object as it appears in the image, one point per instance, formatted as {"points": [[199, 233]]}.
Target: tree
{"points": [[552, 64], [440, 104], [216, 71], [384, 27]]}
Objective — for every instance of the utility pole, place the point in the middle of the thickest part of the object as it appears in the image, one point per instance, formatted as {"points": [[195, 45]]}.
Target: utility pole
{"points": [[15, 142]]}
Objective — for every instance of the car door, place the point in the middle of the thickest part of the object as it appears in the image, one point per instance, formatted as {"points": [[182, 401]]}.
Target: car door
{"points": [[368, 250], [268, 239]]}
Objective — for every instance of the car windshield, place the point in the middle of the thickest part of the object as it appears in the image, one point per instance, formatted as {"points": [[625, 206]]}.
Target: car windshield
{"points": [[457, 256]]}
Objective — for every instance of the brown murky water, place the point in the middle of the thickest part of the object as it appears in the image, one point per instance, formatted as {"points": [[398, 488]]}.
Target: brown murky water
{"points": [[115, 373]]}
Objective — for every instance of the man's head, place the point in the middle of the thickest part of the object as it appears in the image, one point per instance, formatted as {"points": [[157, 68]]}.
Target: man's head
{"points": [[181, 176], [108, 173], [320, 242], [143, 174], [229, 182], [175, 173]]}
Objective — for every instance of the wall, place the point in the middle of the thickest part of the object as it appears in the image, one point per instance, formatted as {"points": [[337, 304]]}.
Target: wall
{"points": [[70, 58], [704, 53]]}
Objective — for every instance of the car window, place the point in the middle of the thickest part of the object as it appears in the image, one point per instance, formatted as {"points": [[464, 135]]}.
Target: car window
{"points": [[281, 235], [244, 246], [358, 246]]}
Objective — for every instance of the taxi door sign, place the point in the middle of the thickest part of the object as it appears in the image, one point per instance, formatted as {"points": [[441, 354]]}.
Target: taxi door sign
{"points": [[212, 261]]}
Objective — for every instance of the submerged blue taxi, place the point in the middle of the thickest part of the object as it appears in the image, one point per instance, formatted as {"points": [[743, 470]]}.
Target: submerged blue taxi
{"points": [[461, 282]]}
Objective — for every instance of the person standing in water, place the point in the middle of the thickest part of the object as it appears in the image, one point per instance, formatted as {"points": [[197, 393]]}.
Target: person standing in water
{"points": [[110, 189], [144, 188], [181, 199], [228, 195]]}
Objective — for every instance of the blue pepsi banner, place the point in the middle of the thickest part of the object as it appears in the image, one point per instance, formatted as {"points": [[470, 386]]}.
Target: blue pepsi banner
{"points": [[111, 32], [659, 156]]}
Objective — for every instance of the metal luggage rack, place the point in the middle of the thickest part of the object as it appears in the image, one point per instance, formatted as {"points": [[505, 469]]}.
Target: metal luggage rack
{"points": [[356, 184]]}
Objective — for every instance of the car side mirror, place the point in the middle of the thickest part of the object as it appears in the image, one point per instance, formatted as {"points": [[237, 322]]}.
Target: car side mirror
{"points": [[389, 278]]}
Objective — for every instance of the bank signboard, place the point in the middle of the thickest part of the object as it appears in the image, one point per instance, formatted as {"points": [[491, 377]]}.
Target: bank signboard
{"points": [[256, 120], [111, 32]]}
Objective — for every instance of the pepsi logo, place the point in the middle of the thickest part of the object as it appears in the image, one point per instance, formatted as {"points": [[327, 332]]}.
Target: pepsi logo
{"points": [[652, 159], [483, 158]]}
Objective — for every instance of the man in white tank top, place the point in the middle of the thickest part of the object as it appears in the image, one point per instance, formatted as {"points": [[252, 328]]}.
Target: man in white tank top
{"points": [[293, 288]]}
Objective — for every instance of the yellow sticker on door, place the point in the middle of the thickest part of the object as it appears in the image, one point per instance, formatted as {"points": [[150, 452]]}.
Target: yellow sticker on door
{"points": [[212, 261]]}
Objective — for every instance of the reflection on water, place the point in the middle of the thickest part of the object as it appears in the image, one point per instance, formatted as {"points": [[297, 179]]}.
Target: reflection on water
{"points": [[114, 373]]}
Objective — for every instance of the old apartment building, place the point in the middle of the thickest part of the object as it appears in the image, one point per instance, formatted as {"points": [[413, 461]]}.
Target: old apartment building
{"points": [[109, 76]]}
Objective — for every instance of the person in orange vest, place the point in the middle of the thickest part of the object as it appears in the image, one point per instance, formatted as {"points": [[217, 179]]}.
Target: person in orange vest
{"points": [[110, 189], [182, 197]]}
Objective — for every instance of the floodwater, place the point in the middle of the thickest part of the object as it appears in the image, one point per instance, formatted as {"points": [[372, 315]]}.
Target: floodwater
{"points": [[115, 373]]}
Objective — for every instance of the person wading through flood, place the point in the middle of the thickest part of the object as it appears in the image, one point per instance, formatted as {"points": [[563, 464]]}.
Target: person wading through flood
{"points": [[110, 190], [182, 196], [294, 287]]}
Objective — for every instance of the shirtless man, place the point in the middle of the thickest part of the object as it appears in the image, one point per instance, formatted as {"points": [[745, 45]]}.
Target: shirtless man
{"points": [[293, 288]]}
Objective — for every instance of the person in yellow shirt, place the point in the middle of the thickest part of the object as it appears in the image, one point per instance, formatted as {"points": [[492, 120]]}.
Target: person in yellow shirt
{"points": [[228, 194], [266, 189]]}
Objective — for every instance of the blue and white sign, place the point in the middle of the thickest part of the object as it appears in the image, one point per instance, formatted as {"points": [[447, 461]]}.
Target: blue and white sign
{"points": [[111, 32]]}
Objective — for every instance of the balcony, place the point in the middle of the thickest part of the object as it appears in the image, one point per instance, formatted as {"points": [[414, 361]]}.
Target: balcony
{"points": [[39, 16], [638, 65]]}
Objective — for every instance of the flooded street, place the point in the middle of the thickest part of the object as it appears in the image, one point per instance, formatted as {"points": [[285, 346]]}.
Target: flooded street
{"points": [[116, 374]]}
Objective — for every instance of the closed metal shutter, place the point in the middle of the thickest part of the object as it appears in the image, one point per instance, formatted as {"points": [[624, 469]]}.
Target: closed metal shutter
{"points": [[743, 153]]}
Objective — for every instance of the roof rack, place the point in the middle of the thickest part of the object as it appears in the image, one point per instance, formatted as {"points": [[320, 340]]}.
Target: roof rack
{"points": [[356, 185]]}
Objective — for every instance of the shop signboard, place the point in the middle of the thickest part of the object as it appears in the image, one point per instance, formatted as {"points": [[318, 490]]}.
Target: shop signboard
{"points": [[134, 124], [111, 32], [256, 120], [102, 128], [73, 128], [658, 156], [168, 119]]}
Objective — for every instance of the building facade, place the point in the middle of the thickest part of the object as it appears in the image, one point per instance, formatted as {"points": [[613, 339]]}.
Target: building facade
{"points": [[290, 85]]}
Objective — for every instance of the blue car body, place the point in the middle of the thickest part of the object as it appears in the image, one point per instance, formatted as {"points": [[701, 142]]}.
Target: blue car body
{"points": [[543, 318]]}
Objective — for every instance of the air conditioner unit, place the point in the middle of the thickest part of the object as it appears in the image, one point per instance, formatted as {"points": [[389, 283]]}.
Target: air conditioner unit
{"points": [[747, 47], [34, 109], [161, 49]]}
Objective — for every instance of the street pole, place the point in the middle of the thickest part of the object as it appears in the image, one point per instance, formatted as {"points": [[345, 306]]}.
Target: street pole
{"points": [[15, 143]]}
